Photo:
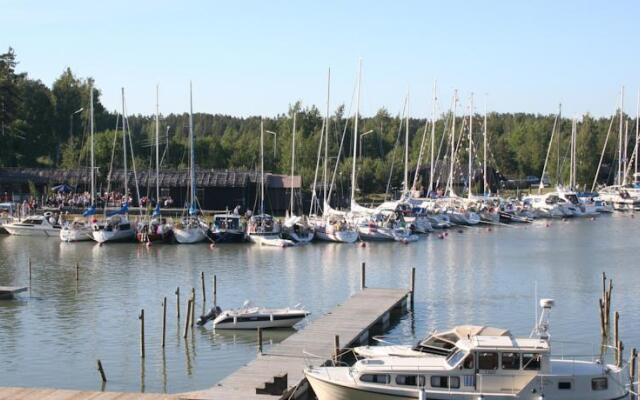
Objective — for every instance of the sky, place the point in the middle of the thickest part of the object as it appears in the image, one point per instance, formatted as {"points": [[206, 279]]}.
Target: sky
{"points": [[257, 57]]}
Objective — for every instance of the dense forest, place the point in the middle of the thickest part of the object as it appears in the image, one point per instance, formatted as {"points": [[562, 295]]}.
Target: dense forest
{"points": [[43, 126]]}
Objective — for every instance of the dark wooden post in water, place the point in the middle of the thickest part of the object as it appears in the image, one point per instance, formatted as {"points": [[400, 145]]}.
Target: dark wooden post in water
{"points": [[260, 340], [616, 320], [215, 290], [413, 284], [193, 306], [186, 324], [336, 349], [141, 318], [632, 370], [204, 292], [363, 276], [77, 272], [178, 301], [603, 326], [29, 272], [101, 371], [164, 320]]}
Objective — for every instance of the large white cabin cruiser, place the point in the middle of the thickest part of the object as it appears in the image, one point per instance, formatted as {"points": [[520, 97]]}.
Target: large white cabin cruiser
{"points": [[478, 367], [115, 228], [545, 205], [619, 198], [78, 230], [36, 225]]}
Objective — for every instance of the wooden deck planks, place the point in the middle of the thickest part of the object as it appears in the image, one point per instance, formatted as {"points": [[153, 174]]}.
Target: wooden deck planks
{"points": [[18, 393]]}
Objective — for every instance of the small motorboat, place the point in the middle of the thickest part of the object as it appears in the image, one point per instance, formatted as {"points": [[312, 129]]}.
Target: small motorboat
{"points": [[227, 228], [77, 230], [251, 317], [115, 228], [297, 229]]}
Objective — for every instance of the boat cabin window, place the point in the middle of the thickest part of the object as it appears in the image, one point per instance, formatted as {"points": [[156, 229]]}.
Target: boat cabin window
{"points": [[488, 360], [531, 361], [33, 221], [375, 378], [446, 382], [455, 358], [410, 380], [564, 385], [469, 362], [510, 360], [599, 384]]}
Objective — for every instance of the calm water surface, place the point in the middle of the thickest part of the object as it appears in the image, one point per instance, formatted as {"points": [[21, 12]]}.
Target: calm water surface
{"points": [[53, 335]]}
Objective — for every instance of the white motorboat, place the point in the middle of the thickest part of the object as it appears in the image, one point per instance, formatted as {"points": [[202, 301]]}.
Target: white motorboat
{"points": [[497, 367], [227, 228], [265, 231], [115, 228], [544, 205], [36, 225], [461, 216], [251, 317], [619, 198], [77, 230]]}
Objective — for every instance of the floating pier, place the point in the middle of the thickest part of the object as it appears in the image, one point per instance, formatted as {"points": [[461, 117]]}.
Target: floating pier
{"points": [[279, 370], [19, 393], [9, 292]]}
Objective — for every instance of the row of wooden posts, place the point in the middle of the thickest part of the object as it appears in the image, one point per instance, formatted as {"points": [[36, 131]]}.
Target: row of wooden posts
{"points": [[189, 321]]}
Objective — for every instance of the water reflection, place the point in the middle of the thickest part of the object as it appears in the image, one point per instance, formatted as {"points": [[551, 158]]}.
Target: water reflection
{"points": [[478, 276]]}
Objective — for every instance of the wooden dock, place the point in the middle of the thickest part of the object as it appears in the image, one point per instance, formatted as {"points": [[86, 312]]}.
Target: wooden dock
{"points": [[9, 292], [279, 370], [18, 393]]}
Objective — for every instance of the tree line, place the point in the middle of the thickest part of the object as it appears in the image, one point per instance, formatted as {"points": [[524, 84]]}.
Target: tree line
{"points": [[44, 126]]}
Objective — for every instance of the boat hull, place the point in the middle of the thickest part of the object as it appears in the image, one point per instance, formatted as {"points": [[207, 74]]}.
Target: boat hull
{"points": [[337, 236], [268, 324], [271, 240], [189, 235], [228, 236], [75, 235], [31, 231], [103, 236], [166, 237]]}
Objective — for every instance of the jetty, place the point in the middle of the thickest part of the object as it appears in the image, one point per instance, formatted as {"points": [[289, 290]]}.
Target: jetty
{"points": [[9, 292], [279, 370]]}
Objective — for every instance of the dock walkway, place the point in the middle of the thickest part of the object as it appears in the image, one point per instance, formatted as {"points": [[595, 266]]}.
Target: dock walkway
{"points": [[9, 292], [351, 321]]}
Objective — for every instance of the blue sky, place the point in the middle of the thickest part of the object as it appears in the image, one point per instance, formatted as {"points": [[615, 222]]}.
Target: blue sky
{"points": [[256, 57]]}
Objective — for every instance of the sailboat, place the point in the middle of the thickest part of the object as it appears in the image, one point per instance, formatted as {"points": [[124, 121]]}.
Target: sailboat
{"points": [[80, 229], [332, 225], [295, 228], [191, 228], [116, 226], [263, 229], [156, 228]]}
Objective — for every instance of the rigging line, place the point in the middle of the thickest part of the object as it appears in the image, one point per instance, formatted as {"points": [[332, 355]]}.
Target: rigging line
{"points": [[314, 196], [447, 121], [113, 151], [344, 133], [395, 147], [133, 160]]}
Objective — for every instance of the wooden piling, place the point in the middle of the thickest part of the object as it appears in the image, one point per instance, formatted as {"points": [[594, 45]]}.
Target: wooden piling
{"points": [[608, 303], [186, 324], [103, 376], [164, 321], [632, 368], [603, 326], [204, 292], [616, 320], [178, 302], [260, 340], [141, 318], [193, 306], [77, 272], [29, 272], [363, 276], [413, 284], [336, 349], [620, 350], [215, 291]]}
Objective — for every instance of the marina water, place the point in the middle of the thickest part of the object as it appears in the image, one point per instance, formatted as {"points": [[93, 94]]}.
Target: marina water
{"points": [[52, 336]]}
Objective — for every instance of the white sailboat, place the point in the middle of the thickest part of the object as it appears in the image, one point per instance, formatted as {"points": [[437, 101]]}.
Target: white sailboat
{"points": [[263, 229], [80, 229], [116, 226], [295, 228], [332, 225], [191, 228]]}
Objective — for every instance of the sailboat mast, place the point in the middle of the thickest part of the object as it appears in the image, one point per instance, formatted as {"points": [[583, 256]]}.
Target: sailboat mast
{"points": [[326, 140], [261, 166], [406, 148], [626, 151], [293, 159], [192, 167], [620, 138], [124, 150], [355, 137], [93, 161], [470, 147], [637, 136], [453, 141], [572, 172], [484, 150], [157, 147], [433, 138]]}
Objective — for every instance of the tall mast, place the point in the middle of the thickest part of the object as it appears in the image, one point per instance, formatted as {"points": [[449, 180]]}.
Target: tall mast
{"points": [[293, 159], [93, 161], [326, 140], [620, 138], [261, 166], [433, 138], [355, 137], [572, 172], [192, 166], [124, 150], [157, 148], [484, 151], [637, 136], [626, 135], [470, 147], [406, 148], [453, 141]]}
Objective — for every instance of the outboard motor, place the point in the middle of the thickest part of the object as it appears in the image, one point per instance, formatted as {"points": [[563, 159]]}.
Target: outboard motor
{"points": [[211, 315]]}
